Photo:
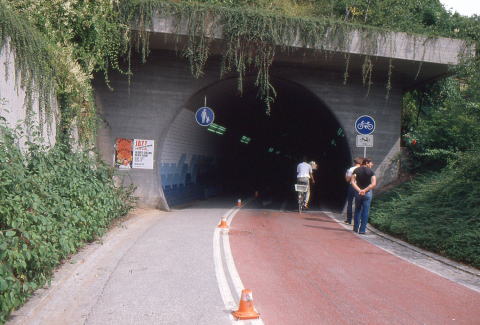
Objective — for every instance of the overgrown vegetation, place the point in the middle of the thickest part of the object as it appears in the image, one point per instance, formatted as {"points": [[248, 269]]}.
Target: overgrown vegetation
{"points": [[254, 31], [71, 40], [438, 211], [51, 203], [34, 65], [443, 119], [52, 200], [95, 36]]}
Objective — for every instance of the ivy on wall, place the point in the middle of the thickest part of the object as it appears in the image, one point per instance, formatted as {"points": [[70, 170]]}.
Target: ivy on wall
{"points": [[85, 37], [251, 37], [34, 65], [58, 46]]}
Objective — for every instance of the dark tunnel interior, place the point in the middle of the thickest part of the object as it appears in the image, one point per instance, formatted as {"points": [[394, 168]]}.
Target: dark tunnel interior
{"points": [[261, 152]]}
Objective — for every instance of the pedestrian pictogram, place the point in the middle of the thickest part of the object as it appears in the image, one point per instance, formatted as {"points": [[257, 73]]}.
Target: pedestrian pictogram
{"points": [[204, 116]]}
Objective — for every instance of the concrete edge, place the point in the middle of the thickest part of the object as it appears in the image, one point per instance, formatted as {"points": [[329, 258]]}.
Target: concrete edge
{"points": [[431, 255]]}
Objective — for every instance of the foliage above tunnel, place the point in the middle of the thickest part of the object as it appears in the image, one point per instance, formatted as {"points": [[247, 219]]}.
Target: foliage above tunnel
{"points": [[419, 16], [254, 31], [84, 37]]}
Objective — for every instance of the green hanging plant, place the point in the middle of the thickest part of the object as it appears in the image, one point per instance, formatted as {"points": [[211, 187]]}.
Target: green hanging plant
{"points": [[251, 38]]}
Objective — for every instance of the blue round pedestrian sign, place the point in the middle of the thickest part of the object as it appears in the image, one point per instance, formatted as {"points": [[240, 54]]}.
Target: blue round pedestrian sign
{"points": [[365, 125], [204, 116]]}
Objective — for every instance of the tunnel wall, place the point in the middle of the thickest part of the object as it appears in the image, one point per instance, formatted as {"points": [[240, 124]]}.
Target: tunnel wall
{"points": [[144, 108], [187, 161], [154, 102]]}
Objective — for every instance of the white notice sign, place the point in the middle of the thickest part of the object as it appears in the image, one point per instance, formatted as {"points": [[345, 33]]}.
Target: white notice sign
{"points": [[364, 140], [143, 154]]}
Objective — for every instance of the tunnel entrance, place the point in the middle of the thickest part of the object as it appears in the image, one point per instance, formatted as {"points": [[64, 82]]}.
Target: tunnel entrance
{"points": [[256, 151]]}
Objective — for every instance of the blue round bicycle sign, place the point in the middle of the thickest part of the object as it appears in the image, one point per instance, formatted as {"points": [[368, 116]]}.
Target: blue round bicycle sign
{"points": [[365, 125], [204, 116]]}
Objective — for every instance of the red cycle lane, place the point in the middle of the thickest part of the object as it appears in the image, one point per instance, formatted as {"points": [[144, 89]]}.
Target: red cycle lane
{"points": [[308, 269]]}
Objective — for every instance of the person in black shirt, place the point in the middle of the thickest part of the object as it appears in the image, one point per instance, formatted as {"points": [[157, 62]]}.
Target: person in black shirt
{"points": [[363, 181]]}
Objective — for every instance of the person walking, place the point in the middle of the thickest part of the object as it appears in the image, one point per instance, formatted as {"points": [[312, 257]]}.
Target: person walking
{"points": [[351, 191], [363, 181], [304, 176]]}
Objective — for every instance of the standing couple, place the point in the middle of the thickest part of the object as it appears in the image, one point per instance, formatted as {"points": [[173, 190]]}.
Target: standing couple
{"points": [[362, 180]]}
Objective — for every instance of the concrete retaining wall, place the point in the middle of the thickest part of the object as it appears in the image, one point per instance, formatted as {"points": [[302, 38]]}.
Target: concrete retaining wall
{"points": [[13, 102]]}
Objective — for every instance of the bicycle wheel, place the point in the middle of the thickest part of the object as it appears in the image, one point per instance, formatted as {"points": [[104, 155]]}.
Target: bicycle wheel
{"points": [[301, 196]]}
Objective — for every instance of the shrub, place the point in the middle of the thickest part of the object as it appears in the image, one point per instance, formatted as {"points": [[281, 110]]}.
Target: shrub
{"points": [[438, 211], [51, 203]]}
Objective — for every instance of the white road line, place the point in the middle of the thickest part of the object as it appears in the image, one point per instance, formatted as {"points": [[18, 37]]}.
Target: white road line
{"points": [[232, 269], [225, 291], [223, 285]]}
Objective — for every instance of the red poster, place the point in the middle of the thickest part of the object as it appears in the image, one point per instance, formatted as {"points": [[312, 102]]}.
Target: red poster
{"points": [[123, 153]]}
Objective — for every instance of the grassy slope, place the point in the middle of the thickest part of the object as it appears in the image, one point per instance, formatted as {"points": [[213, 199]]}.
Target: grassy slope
{"points": [[439, 211]]}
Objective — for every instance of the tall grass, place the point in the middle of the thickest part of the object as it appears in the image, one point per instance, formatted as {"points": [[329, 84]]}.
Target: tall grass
{"points": [[438, 211]]}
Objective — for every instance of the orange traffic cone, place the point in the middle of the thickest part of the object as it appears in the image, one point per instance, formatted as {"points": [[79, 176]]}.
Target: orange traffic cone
{"points": [[245, 308], [239, 202], [223, 223]]}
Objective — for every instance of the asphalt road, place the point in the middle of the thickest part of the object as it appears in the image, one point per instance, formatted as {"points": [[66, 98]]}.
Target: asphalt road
{"points": [[179, 268], [309, 269]]}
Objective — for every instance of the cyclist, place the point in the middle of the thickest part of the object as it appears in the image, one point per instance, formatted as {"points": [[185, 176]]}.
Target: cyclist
{"points": [[304, 176]]}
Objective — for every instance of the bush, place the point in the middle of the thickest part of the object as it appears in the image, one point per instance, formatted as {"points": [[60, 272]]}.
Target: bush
{"points": [[438, 211], [51, 204]]}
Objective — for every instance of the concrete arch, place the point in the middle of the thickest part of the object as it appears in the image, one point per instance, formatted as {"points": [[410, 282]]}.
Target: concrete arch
{"points": [[195, 162], [159, 101]]}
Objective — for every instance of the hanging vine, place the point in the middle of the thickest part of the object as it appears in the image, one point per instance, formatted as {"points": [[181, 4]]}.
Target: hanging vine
{"points": [[35, 70], [100, 34], [251, 37]]}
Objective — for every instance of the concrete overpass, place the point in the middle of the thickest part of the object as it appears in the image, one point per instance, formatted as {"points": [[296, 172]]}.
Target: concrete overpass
{"points": [[313, 115]]}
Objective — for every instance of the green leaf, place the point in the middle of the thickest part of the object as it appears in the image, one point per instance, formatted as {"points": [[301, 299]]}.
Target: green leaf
{"points": [[10, 233]]}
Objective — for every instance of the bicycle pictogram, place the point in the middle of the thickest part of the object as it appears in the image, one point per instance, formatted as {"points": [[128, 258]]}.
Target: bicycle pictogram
{"points": [[365, 125]]}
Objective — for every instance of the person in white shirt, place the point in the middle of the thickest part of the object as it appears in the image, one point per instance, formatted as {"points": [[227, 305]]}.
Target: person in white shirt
{"points": [[304, 176], [351, 192]]}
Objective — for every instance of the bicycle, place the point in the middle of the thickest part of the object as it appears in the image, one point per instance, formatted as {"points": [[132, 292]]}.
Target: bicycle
{"points": [[301, 189]]}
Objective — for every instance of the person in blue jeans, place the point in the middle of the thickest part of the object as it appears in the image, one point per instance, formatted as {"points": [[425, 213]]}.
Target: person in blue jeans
{"points": [[357, 162], [363, 181]]}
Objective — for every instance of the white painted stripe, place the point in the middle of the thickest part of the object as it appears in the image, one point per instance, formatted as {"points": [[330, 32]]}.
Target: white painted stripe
{"points": [[223, 285], [225, 291], [232, 269]]}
